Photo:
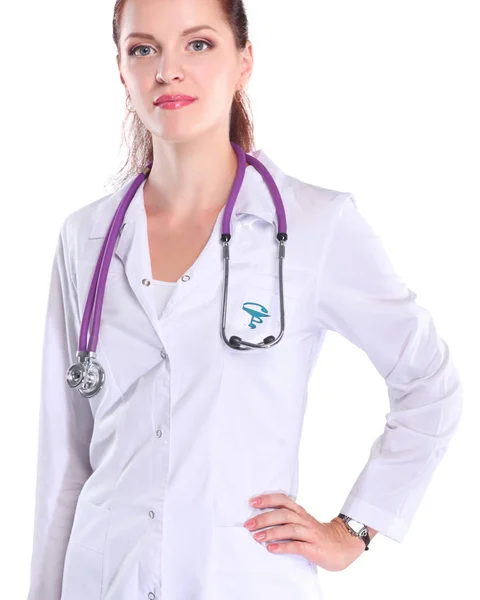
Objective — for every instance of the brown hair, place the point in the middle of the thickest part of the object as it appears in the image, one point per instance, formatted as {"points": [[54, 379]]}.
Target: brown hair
{"points": [[139, 140]]}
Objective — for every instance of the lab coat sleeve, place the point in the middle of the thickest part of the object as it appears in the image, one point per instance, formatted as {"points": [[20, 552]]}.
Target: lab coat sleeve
{"points": [[65, 428], [361, 297]]}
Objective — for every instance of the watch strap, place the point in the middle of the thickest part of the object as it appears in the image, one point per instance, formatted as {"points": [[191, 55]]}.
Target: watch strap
{"points": [[363, 533]]}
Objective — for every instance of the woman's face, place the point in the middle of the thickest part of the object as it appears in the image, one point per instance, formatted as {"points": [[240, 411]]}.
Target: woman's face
{"points": [[204, 64]]}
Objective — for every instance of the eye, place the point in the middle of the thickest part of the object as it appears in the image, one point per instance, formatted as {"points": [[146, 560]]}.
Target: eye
{"points": [[132, 51], [201, 42]]}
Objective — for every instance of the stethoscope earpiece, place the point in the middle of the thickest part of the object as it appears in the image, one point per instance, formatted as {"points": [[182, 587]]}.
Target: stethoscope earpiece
{"points": [[236, 342]]}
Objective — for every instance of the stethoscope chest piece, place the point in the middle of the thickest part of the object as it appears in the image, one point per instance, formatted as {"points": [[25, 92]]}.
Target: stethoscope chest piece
{"points": [[87, 375]]}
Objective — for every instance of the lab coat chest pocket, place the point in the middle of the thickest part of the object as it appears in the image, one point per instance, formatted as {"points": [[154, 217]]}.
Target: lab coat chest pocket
{"points": [[83, 567], [253, 310]]}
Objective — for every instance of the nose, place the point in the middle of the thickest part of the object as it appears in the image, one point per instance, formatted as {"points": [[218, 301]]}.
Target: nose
{"points": [[169, 68]]}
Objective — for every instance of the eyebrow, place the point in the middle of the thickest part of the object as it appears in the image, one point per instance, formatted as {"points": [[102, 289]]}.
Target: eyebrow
{"points": [[188, 31]]}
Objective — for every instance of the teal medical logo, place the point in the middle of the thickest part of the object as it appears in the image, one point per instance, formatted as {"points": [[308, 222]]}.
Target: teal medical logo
{"points": [[257, 314]]}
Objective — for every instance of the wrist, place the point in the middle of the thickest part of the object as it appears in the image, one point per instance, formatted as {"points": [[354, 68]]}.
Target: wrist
{"points": [[371, 532]]}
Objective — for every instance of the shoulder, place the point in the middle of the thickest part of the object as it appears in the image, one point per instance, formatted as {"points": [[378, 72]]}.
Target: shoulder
{"points": [[90, 219], [312, 214], [312, 210], [315, 200], [79, 223], [312, 203], [84, 223]]}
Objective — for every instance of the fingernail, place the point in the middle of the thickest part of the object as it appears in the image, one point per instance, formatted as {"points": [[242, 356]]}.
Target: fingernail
{"points": [[254, 501]]}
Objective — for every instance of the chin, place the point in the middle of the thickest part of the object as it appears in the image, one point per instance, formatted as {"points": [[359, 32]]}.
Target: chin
{"points": [[181, 134]]}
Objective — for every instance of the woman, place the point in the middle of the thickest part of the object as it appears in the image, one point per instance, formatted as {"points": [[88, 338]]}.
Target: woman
{"points": [[143, 489]]}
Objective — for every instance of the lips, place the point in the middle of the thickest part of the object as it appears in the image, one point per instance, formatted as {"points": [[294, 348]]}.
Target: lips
{"points": [[173, 98]]}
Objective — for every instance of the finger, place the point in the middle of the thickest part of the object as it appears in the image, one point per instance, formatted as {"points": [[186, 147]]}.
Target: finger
{"points": [[289, 532], [279, 516], [294, 547], [278, 500]]}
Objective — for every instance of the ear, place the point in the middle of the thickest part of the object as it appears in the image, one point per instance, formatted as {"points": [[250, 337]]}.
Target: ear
{"points": [[246, 64], [118, 65]]}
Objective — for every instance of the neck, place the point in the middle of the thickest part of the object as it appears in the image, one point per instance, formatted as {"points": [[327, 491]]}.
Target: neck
{"points": [[190, 179]]}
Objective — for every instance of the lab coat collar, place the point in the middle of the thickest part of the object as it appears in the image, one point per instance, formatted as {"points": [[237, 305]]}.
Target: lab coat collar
{"points": [[254, 198], [132, 245]]}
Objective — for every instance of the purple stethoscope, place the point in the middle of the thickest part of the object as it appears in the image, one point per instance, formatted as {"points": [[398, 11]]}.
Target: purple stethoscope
{"points": [[87, 375]]}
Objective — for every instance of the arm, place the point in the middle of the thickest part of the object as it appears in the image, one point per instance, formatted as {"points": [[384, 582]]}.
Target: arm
{"points": [[360, 296], [65, 427]]}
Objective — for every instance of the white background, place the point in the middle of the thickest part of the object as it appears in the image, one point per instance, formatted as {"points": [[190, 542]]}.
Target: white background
{"points": [[376, 98]]}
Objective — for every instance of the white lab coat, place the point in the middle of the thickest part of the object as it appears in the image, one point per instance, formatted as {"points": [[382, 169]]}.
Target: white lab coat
{"points": [[142, 491]]}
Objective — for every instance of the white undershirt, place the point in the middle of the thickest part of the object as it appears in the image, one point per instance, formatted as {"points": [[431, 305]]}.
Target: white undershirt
{"points": [[163, 290]]}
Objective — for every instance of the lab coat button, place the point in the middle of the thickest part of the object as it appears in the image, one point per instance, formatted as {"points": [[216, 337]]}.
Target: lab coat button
{"points": [[159, 433], [185, 277], [146, 281], [151, 596], [163, 354], [151, 514]]}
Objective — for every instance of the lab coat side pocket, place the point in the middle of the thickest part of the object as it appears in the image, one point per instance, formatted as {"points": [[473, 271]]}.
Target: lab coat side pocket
{"points": [[245, 568], [83, 568]]}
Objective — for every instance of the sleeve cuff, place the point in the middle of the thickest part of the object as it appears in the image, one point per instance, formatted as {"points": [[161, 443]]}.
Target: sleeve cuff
{"points": [[385, 523]]}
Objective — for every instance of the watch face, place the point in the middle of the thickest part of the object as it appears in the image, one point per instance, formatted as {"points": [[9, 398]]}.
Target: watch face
{"points": [[356, 526]]}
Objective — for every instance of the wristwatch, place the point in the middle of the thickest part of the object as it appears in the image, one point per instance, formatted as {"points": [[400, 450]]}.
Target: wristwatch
{"points": [[356, 528]]}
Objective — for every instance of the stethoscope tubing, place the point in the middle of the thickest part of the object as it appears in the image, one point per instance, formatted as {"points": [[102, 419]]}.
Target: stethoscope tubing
{"points": [[97, 286], [91, 371]]}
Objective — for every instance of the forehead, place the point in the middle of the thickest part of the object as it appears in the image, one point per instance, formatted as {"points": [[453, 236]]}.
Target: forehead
{"points": [[163, 17]]}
